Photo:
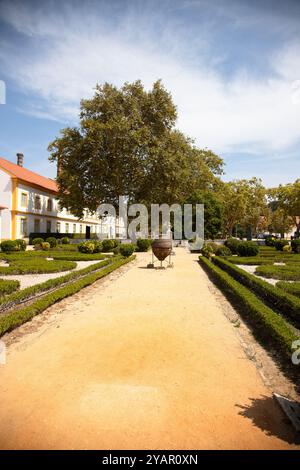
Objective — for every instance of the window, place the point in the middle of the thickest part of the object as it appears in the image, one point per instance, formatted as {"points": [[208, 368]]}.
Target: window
{"points": [[37, 225], [67, 227], [23, 228], [48, 226], [80, 228], [58, 227], [24, 199], [37, 202], [49, 205], [74, 228]]}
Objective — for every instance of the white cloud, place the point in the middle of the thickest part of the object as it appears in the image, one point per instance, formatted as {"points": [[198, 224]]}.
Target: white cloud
{"points": [[78, 49]]}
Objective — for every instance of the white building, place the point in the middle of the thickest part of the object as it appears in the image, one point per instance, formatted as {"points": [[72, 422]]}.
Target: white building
{"points": [[29, 204]]}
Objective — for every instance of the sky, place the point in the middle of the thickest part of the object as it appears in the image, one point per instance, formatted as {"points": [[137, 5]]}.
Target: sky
{"points": [[232, 66]]}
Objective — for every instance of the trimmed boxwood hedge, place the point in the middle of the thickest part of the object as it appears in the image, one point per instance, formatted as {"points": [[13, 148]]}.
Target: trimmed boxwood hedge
{"points": [[288, 272], [272, 323], [287, 304], [7, 287], [19, 316], [36, 266], [290, 287]]}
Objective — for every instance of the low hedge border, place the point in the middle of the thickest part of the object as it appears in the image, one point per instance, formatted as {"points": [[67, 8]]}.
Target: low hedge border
{"points": [[278, 329], [287, 272], [8, 286], [19, 316], [36, 266], [290, 287], [29, 292], [285, 303]]}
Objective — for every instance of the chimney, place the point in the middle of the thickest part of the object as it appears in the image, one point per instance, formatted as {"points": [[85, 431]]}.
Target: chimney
{"points": [[20, 159]]}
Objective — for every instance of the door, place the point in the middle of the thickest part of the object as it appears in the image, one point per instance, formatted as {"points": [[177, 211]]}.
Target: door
{"points": [[87, 232]]}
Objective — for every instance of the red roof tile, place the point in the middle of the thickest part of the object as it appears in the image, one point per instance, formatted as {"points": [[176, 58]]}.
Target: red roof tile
{"points": [[27, 175]]}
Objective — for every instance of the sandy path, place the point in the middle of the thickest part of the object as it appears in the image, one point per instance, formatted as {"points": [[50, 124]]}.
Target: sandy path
{"points": [[145, 359]]}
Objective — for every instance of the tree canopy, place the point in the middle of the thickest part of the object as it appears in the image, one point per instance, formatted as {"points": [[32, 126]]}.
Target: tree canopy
{"points": [[127, 145]]}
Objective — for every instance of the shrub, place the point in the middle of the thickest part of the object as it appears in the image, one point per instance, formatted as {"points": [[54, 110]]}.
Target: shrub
{"points": [[247, 249], [52, 241], [286, 304], [268, 322], [207, 250], [143, 244], [127, 249], [8, 246], [295, 244], [86, 247], [223, 251], [290, 287], [232, 244], [213, 245], [287, 248], [286, 272], [279, 244], [7, 287], [36, 265], [37, 241], [65, 240], [98, 247], [108, 245], [45, 246], [269, 241], [22, 244]]}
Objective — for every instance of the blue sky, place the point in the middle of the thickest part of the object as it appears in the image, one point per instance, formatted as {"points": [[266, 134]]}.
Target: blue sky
{"points": [[232, 66]]}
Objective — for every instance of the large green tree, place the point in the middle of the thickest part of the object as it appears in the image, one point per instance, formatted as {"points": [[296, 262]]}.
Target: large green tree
{"points": [[127, 145], [287, 198]]}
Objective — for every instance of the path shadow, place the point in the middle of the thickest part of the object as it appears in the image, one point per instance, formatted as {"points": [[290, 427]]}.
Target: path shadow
{"points": [[266, 414]]}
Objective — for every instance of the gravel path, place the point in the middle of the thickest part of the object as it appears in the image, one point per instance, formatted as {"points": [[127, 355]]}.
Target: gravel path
{"points": [[28, 280], [143, 359]]}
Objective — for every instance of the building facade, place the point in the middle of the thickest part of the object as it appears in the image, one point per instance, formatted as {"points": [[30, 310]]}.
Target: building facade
{"points": [[29, 205]]}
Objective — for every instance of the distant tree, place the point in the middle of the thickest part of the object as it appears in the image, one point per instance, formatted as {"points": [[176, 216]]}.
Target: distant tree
{"points": [[213, 212], [127, 145], [287, 198]]}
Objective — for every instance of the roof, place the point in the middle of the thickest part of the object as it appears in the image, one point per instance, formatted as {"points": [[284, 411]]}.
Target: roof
{"points": [[27, 175]]}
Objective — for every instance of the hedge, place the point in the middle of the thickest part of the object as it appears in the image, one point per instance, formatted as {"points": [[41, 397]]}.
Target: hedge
{"points": [[19, 316], [273, 324], [290, 287], [283, 302], [7, 287], [28, 292], [36, 266], [288, 272]]}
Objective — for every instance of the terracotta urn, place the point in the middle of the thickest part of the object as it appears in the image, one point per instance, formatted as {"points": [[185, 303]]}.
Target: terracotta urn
{"points": [[162, 248]]}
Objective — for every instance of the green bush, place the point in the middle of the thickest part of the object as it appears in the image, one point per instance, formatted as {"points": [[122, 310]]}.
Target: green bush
{"points": [[45, 246], [143, 244], [288, 272], [267, 322], [295, 244], [19, 316], [232, 244], [287, 248], [283, 302], [207, 250], [247, 249], [52, 241], [36, 265], [127, 249], [270, 241], [7, 287], [22, 244], [37, 241], [98, 247], [279, 244], [223, 251], [8, 246], [65, 240], [86, 247], [108, 245]]}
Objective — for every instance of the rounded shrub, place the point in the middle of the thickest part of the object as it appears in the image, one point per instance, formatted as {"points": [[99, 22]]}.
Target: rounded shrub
{"points": [[22, 244], [65, 240], [86, 247], [287, 248], [295, 244], [37, 241], [213, 245], [247, 249], [52, 241], [233, 244], [8, 246], [279, 244], [45, 246], [269, 241], [108, 245], [98, 247], [127, 249], [207, 250], [143, 244], [223, 251]]}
